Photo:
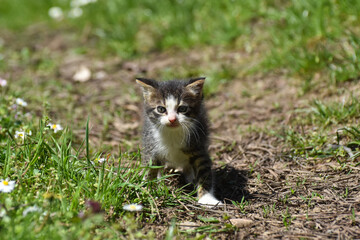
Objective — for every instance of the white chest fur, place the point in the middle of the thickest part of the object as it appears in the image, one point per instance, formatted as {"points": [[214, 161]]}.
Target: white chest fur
{"points": [[170, 145]]}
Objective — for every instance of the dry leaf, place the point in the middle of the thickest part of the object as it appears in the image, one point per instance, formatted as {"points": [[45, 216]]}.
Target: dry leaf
{"points": [[132, 107], [188, 225], [123, 127], [101, 75], [82, 74], [241, 222]]}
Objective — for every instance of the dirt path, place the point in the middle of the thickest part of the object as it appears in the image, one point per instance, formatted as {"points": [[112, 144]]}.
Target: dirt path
{"points": [[289, 197]]}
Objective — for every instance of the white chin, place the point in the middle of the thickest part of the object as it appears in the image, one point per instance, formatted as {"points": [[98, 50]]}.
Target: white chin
{"points": [[173, 126]]}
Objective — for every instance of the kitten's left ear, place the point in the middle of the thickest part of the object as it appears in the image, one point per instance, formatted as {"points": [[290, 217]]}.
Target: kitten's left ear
{"points": [[195, 85], [147, 83], [149, 87]]}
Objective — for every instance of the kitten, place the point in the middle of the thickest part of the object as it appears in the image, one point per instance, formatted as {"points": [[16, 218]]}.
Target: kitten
{"points": [[175, 132]]}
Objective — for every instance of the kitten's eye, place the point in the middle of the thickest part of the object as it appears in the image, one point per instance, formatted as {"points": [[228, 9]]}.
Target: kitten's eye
{"points": [[161, 109], [182, 109]]}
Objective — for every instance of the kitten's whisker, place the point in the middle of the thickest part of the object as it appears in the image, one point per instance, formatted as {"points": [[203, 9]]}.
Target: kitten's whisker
{"points": [[201, 127], [192, 131], [183, 127], [187, 133]]}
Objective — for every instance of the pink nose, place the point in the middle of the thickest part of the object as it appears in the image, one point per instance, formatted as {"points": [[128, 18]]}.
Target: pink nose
{"points": [[172, 120]]}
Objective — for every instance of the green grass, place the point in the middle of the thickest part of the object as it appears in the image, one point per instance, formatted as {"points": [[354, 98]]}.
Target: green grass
{"points": [[62, 180], [73, 195], [328, 114], [19, 14], [322, 124], [306, 37], [323, 145], [316, 37], [337, 112]]}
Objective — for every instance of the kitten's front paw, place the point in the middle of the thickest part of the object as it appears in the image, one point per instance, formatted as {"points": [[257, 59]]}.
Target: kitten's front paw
{"points": [[209, 200]]}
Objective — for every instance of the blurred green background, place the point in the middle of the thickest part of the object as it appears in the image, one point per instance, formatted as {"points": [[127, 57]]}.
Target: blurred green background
{"points": [[303, 37]]}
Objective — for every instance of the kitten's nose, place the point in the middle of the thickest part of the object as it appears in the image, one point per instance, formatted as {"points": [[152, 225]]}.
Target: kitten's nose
{"points": [[172, 120]]}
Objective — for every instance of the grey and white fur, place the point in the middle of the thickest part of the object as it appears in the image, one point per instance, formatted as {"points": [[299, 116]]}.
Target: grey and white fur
{"points": [[175, 132]]}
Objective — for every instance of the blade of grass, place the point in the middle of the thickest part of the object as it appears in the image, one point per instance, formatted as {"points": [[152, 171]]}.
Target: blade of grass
{"points": [[88, 145]]}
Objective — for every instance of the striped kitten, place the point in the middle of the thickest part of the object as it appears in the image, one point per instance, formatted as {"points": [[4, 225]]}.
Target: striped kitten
{"points": [[175, 132]]}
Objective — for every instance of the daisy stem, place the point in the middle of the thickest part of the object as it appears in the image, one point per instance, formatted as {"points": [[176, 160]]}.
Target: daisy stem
{"points": [[7, 160]]}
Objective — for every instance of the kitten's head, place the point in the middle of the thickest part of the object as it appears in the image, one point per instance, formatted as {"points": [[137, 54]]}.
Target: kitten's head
{"points": [[172, 104]]}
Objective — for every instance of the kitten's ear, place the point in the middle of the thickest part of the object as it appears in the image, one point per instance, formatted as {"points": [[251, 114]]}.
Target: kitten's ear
{"points": [[195, 86], [149, 87], [147, 83]]}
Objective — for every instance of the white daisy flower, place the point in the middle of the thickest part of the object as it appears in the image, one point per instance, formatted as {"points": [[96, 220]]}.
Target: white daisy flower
{"points": [[79, 3], [55, 127], [75, 12], [21, 102], [3, 82], [100, 160], [20, 134], [6, 186], [31, 209], [133, 207], [56, 13], [2, 213]]}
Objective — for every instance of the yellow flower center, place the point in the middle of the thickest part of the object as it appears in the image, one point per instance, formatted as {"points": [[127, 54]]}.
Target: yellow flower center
{"points": [[132, 207], [54, 126], [5, 182]]}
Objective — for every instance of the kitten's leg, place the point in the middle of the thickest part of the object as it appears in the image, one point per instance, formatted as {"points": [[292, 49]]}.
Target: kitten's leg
{"points": [[205, 181], [189, 174], [154, 172]]}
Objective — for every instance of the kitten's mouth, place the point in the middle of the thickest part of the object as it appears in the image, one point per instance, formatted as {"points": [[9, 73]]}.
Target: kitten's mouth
{"points": [[173, 125]]}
